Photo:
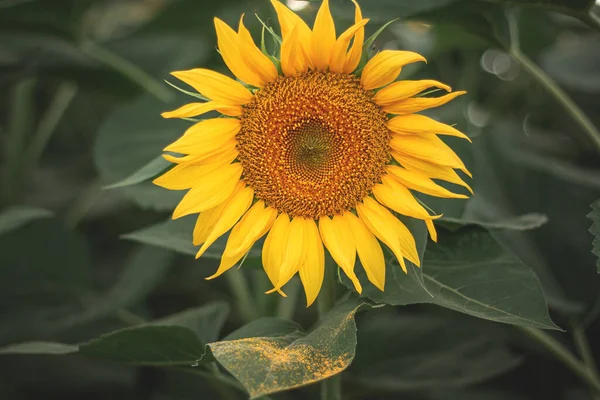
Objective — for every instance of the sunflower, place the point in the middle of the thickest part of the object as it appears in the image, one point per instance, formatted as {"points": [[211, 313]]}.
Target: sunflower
{"points": [[313, 150]]}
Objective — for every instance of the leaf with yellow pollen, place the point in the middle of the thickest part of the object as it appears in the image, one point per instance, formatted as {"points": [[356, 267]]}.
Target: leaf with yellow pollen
{"points": [[271, 355]]}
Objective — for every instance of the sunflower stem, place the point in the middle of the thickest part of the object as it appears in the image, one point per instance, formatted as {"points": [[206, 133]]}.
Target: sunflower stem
{"points": [[548, 83], [565, 356], [41, 136], [583, 347], [246, 305], [20, 120], [331, 389]]}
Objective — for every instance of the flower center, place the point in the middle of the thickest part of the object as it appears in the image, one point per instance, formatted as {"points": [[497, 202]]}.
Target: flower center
{"points": [[313, 144]]}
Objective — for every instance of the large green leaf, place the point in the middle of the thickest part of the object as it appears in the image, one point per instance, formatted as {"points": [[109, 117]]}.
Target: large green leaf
{"points": [[468, 271], [143, 271], [595, 230], [150, 170], [131, 138], [176, 235], [179, 339], [417, 352], [271, 355], [15, 217]]}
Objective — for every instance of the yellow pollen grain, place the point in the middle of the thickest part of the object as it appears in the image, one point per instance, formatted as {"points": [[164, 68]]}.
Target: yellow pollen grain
{"points": [[313, 144]]}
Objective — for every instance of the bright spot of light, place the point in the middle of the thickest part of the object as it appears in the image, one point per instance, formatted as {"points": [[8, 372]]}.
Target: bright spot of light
{"points": [[297, 5]]}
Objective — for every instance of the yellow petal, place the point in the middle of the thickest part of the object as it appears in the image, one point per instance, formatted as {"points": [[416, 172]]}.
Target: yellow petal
{"points": [[431, 229], [210, 190], [415, 123], [207, 220], [429, 148], [255, 60], [312, 266], [294, 244], [404, 89], [231, 50], [215, 86], [369, 251], [323, 37], [234, 209], [195, 109], [385, 67], [253, 225], [337, 62], [353, 56], [274, 248], [184, 176], [434, 171], [292, 61], [417, 104], [387, 228], [300, 37], [206, 137], [228, 149], [417, 181], [397, 197], [337, 236]]}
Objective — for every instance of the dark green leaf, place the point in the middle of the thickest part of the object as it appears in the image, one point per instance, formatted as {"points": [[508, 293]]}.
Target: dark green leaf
{"points": [[15, 217], [468, 271], [142, 273], [521, 223], [433, 352], [176, 235], [595, 230], [284, 357], [132, 137], [150, 170], [39, 348], [178, 339]]}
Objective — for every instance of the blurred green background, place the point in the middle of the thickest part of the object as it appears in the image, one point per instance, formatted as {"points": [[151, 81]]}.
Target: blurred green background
{"points": [[82, 88]]}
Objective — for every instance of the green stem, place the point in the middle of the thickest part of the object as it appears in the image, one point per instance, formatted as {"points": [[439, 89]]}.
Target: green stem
{"points": [[565, 356], [64, 95], [548, 83], [82, 204], [583, 347], [128, 69], [240, 290], [20, 119], [331, 389], [287, 305]]}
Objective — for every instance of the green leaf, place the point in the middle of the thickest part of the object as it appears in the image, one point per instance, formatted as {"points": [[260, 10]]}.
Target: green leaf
{"points": [[178, 339], [133, 137], [143, 271], [523, 222], [176, 235], [595, 230], [17, 216], [434, 352], [39, 348], [284, 357], [150, 170], [469, 272], [174, 340]]}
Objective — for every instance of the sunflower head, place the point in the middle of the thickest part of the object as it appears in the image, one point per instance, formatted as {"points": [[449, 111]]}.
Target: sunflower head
{"points": [[313, 150]]}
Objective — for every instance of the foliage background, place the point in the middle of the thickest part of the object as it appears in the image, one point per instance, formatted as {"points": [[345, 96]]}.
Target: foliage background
{"points": [[81, 92]]}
